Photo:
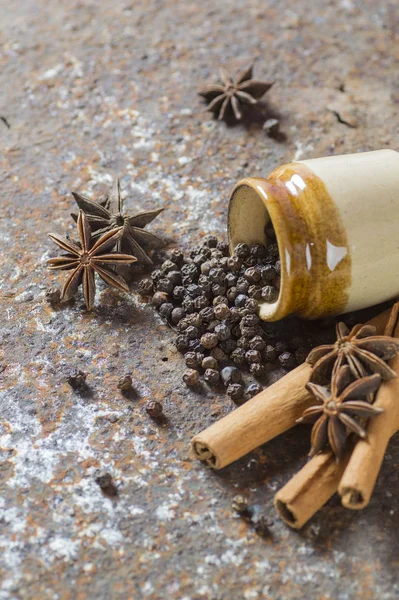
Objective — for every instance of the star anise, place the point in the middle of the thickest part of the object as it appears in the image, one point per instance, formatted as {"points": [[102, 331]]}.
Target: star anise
{"points": [[232, 93], [133, 234], [87, 257], [361, 349], [336, 416]]}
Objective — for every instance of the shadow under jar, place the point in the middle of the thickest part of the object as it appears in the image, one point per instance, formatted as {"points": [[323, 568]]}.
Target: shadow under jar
{"points": [[336, 221]]}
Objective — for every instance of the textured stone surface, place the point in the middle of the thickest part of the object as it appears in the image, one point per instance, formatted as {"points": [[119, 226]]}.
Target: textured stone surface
{"points": [[94, 89]]}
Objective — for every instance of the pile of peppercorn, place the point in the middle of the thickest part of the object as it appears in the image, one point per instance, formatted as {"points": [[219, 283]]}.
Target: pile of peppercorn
{"points": [[211, 300]]}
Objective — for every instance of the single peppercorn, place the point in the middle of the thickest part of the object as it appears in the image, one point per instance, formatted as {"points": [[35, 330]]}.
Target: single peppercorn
{"points": [[211, 377], [191, 377], [238, 357], [242, 285], [234, 263], [230, 375], [193, 360], [205, 267], [168, 266], [257, 343], [210, 241], [251, 305], [287, 360], [177, 257], [277, 266], [209, 363], [223, 247], [53, 296], [174, 277], [235, 391], [177, 315], [230, 280], [258, 370], [193, 290], [240, 504], [223, 332], [209, 340], [164, 285], [269, 353], [188, 304], [154, 409], [255, 292], [178, 293], [268, 273], [181, 343], [192, 332], [125, 383], [269, 293], [222, 312], [200, 302], [253, 390], [253, 356], [146, 287], [252, 275], [159, 298], [106, 484], [190, 271], [241, 250], [240, 300], [165, 310], [77, 380]]}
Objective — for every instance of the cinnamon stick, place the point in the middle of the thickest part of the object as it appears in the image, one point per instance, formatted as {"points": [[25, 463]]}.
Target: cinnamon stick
{"points": [[262, 418], [358, 481], [309, 489]]}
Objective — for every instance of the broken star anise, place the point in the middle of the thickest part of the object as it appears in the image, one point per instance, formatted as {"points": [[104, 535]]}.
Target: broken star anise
{"points": [[363, 351], [336, 414], [133, 234], [87, 257], [232, 93]]}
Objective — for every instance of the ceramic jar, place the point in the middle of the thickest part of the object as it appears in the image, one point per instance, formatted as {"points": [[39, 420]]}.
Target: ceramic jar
{"points": [[336, 221]]}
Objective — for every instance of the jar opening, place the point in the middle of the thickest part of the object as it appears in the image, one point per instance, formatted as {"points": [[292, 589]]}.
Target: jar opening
{"points": [[248, 218]]}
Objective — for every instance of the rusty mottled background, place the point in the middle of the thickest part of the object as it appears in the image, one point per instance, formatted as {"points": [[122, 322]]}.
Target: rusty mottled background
{"points": [[90, 90]]}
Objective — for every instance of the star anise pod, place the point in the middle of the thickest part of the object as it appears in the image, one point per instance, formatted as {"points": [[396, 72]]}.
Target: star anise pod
{"points": [[87, 257], [339, 407], [231, 93], [133, 234], [361, 349]]}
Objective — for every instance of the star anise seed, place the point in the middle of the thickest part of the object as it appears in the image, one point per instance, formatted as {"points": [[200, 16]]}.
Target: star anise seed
{"points": [[360, 348], [133, 234], [233, 93], [87, 257], [336, 414]]}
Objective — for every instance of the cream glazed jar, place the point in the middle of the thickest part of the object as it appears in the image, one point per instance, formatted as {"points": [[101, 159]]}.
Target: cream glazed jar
{"points": [[336, 221]]}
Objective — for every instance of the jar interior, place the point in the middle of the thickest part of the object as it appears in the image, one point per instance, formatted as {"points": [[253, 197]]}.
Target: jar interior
{"points": [[248, 217]]}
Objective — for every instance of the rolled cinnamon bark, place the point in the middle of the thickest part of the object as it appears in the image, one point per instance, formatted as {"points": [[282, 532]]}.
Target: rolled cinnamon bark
{"points": [[309, 489], [358, 481], [262, 418]]}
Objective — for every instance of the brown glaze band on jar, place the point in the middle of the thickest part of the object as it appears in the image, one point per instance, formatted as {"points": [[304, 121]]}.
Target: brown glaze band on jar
{"points": [[313, 246]]}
